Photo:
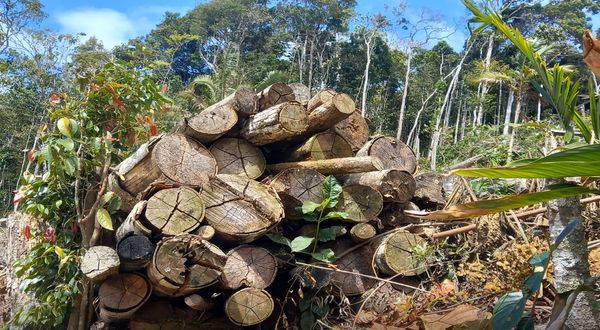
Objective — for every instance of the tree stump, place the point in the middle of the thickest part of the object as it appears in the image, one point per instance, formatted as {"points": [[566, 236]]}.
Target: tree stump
{"points": [[173, 158], [354, 129], [330, 113], [99, 262], [132, 224], [295, 186], [274, 94], [135, 252], [323, 96], [250, 266], [333, 166], [394, 185], [184, 264], [301, 93], [394, 154], [249, 306], [174, 211], [359, 262], [240, 209], [325, 145], [361, 203], [236, 156], [206, 232], [401, 253], [121, 295], [361, 232], [277, 123]]}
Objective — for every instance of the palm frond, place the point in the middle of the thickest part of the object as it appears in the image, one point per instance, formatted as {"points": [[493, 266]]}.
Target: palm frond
{"points": [[271, 78]]}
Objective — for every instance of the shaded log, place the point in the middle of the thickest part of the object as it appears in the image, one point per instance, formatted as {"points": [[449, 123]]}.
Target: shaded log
{"points": [[333, 166], [394, 185], [199, 303], [174, 211], [430, 191], [296, 186], [236, 156], [249, 266], [394, 154], [301, 93], [354, 129], [121, 295], [135, 252], [324, 145], [277, 123], [99, 262], [183, 264], [128, 201], [132, 224], [401, 252], [240, 209], [361, 232], [361, 203], [249, 306], [323, 96], [357, 261], [274, 94], [206, 232], [330, 113], [163, 315], [393, 216], [310, 230]]}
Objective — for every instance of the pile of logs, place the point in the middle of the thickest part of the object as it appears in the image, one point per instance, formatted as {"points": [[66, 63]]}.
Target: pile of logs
{"points": [[191, 250]]}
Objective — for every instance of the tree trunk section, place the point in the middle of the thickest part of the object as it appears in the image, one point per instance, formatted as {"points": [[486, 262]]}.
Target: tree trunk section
{"points": [[394, 185], [238, 157], [249, 307], [132, 225], [394, 254], [296, 186], [301, 93], [330, 113], [320, 98], [429, 193], [239, 209], [361, 203], [394, 154], [248, 266], [333, 166], [361, 232], [174, 211], [277, 123], [275, 94], [99, 262], [358, 262], [354, 129], [212, 122], [325, 145], [135, 252], [121, 295]]}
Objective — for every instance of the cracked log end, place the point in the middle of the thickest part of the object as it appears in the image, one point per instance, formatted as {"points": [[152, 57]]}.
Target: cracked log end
{"points": [[247, 265], [99, 262], [249, 306], [174, 211]]}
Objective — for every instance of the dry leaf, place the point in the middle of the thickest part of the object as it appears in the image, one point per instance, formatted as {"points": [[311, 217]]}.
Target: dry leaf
{"points": [[591, 52], [457, 317]]}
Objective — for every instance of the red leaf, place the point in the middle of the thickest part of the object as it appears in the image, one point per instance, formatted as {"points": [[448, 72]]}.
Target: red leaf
{"points": [[54, 98], [49, 235], [164, 89], [31, 155], [153, 129], [26, 232]]}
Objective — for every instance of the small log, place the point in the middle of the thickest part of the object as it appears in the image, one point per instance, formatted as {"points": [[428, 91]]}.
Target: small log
{"points": [[320, 98], [301, 93], [393, 215], [206, 232], [361, 203], [121, 295], [361, 232], [183, 264], [275, 94], [296, 186], [333, 166], [172, 158], [132, 224], [236, 156], [394, 154], [199, 303], [99, 262], [396, 253], [240, 209], [135, 252], [330, 113], [354, 129], [394, 185], [276, 123], [174, 211], [249, 306], [324, 145], [357, 261], [249, 266]]}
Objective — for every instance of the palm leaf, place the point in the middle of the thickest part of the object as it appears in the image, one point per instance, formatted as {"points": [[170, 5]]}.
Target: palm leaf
{"points": [[594, 110]]}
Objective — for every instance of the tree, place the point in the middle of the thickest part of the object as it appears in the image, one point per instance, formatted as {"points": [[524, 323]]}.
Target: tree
{"points": [[15, 16]]}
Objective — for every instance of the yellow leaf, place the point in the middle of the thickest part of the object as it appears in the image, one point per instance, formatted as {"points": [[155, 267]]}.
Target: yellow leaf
{"points": [[59, 251], [64, 126], [104, 219]]}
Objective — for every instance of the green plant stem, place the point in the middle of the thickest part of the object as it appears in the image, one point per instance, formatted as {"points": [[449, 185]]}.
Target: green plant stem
{"points": [[317, 231]]}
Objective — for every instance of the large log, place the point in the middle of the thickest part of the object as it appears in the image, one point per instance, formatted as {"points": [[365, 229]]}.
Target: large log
{"points": [[361, 203], [354, 129], [135, 252], [276, 123], [430, 191], [121, 295], [275, 94], [323, 96], [174, 211], [324, 145], [236, 156], [249, 307], [394, 185], [171, 158], [333, 166], [330, 113], [296, 186], [401, 253], [394, 154], [240, 209], [183, 264], [249, 266], [301, 93]]}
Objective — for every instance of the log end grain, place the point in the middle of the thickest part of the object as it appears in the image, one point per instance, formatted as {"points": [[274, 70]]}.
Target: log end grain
{"points": [[236, 156], [99, 262], [174, 211], [361, 203], [249, 306], [250, 266]]}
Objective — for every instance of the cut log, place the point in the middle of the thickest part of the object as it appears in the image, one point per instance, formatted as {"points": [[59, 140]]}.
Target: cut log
{"points": [[401, 253], [236, 156], [172, 158], [394, 154], [275, 94], [358, 262], [135, 252], [132, 224], [301, 93], [361, 232], [330, 113], [206, 232], [121, 295], [99, 262], [249, 306], [249, 266], [199, 303], [361, 203], [128, 201], [164, 315], [333, 166], [276, 123], [296, 186], [174, 211], [240, 209], [325, 145], [354, 129], [430, 191], [320, 98], [393, 215], [183, 264], [394, 185]]}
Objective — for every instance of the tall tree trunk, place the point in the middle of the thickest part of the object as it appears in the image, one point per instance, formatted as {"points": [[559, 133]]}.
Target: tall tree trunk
{"points": [[311, 60], [538, 116], [368, 44], [458, 115], [508, 113], [404, 94], [485, 86], [499, 105], [514, 130], [418, 117]]}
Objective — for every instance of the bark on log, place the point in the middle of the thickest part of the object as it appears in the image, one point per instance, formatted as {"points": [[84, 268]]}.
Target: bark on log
{"points": [[393, 216], [236, 156], [274, 94], [121, 295], [354, 129], [249, 306], [199, 303], [184, 264], [395, 254], [132, 224], [430, 192], [361, 232], [320, 98], [174, 211], [359, 262], [277, 123], [394, 154], [333, 166], [330, 113], [301, 93], [324, 145], [295, 186], [99, 262], [361, 203], [240, 209], [128, 201], [206, 232], [249, 266], [173, 158], [135, 252], [394, 185]]}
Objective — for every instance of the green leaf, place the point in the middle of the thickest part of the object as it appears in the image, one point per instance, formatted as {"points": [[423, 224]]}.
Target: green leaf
{"points": [[526, 323], [330, 234], [325, 255], [64, 126], [566, 231], [300, 243], [66, 143], [508, 310], [331, 190], [309, 207], [580, 161], [280, 239], [307, 320], [104, 219], [335, 215], [106, 198]]}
